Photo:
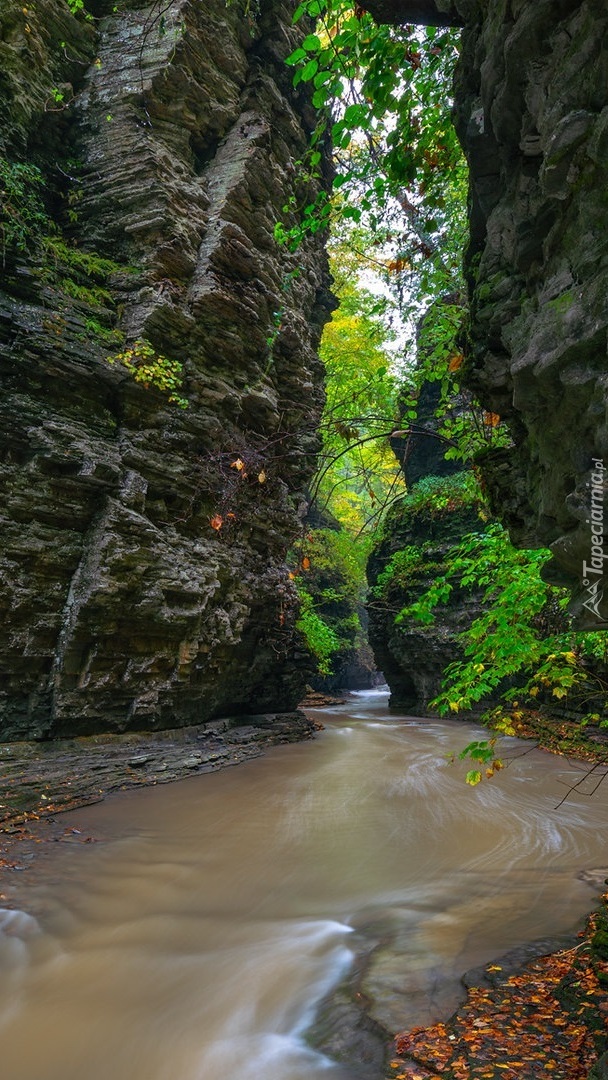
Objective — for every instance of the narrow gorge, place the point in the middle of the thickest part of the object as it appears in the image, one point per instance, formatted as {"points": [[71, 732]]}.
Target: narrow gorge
{"points": [[144, 169], [175, 580]]}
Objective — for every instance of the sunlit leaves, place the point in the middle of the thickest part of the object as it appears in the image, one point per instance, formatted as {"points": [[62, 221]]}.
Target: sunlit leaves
{"points": [[358, 467], [473, 777]]}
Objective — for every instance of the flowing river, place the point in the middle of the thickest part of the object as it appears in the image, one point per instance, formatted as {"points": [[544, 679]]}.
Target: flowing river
{"points": [[196, 938]]}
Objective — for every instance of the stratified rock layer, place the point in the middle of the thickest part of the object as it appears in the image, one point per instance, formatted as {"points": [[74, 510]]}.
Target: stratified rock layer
{"points": [[143, 582]]}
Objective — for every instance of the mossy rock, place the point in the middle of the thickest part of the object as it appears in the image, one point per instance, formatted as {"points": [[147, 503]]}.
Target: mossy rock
{"points": [[599, 941]]}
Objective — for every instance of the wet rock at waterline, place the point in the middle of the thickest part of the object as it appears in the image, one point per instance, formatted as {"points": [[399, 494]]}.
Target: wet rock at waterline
{"points": [[142, 563], [40, 779]]}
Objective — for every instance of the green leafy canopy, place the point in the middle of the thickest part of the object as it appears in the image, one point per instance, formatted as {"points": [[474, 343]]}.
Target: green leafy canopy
{"points": [[383, 98]]}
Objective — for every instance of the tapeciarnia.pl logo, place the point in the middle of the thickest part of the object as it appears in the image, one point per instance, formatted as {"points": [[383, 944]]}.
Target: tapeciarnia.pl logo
{"points": [[593, 571]]}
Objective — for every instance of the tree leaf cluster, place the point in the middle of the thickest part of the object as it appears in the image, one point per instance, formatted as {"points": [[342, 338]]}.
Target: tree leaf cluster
{"points": [[383, 98]]}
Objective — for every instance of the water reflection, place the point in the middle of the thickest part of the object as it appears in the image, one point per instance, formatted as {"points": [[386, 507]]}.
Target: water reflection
{"points": [[195, 939]]}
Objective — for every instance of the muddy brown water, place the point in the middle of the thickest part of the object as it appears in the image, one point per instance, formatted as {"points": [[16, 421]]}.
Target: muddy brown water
{"points": [[195, 939]]}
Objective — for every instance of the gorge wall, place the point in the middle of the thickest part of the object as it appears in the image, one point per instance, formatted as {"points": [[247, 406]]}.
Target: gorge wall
{"points": [[146, 155], [532, 115], [416, 542]]}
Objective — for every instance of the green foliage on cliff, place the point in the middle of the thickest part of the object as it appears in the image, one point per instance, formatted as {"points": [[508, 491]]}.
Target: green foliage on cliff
{"points": [[27, 229], [151, 368], [320, 639], [398, 570], [520, 648], [23, 216], [330, 579], [436, 495]]}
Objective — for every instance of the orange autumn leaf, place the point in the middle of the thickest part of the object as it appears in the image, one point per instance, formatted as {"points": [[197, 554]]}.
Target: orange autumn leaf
{"points": [[216, 522], [456, 362], [306, 563], [491, 419], [238, 464]]}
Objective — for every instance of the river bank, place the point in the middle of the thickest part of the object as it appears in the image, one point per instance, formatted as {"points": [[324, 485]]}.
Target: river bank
{"points": [[547, 1017], [541, 1010], [42, 779]]}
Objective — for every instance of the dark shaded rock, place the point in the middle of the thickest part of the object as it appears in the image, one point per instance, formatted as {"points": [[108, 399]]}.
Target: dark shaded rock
{"points": [[345, 1028], [600, 1069], [413, 657], [124, 605], [349, 1036], [531, 112], [488, 975], [424, 12]]}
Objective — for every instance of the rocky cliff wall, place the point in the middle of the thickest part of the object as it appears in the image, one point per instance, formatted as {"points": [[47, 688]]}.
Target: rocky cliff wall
{"points": [[146, 156], [418, 538], [413, 657], [532, 114]]}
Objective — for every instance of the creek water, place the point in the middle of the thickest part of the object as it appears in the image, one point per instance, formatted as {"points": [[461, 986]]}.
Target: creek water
{"points": [[195, 939]]}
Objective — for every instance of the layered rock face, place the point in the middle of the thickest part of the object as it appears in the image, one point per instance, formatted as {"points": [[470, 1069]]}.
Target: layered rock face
{"points": [[532, 114], [143, 583]]}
